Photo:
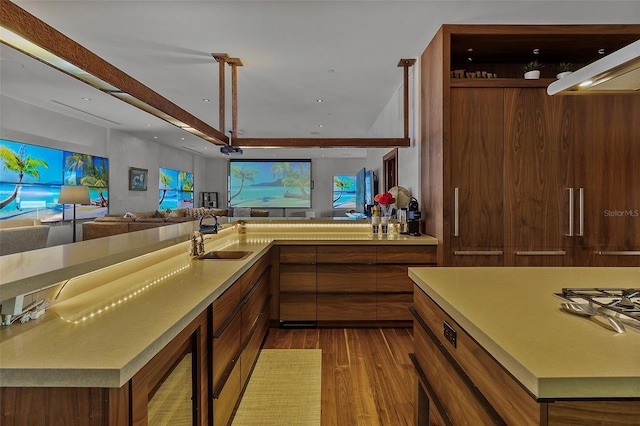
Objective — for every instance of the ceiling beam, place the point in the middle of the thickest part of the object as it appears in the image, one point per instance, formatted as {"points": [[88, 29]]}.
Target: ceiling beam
{"points": [[406, 64], [59, 51], [321, 142]]}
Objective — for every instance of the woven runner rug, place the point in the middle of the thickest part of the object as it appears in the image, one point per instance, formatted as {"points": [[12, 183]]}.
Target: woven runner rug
{"points": [[284, 389]]}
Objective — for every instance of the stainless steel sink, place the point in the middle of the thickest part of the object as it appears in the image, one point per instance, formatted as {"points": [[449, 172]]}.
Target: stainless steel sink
{"points": [[225, 255]]}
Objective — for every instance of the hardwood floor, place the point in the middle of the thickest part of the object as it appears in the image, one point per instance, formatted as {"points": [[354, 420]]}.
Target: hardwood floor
{"points": [[367, 376]]}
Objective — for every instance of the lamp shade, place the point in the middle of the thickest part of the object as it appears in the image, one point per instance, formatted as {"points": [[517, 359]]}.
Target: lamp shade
{"points": [[74, 195]]}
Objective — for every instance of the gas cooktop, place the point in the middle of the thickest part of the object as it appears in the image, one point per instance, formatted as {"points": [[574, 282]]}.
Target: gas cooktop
{"points": [[623, 303]]}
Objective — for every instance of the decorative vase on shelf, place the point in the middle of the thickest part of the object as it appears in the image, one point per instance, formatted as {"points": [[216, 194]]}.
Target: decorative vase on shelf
{"points": [[532, 70], [563, 74], [564, 69], [532, 75]]}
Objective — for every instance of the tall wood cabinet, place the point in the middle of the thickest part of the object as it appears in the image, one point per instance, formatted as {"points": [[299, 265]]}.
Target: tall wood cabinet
{"points": [[515, 177]]}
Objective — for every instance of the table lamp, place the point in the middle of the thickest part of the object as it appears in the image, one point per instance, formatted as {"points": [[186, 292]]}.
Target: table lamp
{"points": [[74, 195]]}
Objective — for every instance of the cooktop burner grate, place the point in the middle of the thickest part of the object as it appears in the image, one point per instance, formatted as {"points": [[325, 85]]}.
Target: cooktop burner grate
{"points": [[622, 301]]}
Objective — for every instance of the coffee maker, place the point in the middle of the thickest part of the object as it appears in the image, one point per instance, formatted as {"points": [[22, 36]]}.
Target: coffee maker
{"points": [[413, 217]]}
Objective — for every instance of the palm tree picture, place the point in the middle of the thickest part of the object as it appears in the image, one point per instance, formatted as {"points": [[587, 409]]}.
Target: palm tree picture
{"points": [[243, 175], [22, 164], [165, 185], [341, 184]]}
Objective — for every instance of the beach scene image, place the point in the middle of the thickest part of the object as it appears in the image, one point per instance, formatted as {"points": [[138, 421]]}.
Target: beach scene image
{"points": [[271, 184], [176, 189], [31, 177], [344, 192]]}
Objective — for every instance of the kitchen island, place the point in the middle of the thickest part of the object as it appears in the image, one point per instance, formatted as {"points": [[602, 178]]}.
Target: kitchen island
{"points": [[493, 346], [126, 309]]}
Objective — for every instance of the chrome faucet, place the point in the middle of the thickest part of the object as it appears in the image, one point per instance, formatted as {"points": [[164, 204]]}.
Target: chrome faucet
{"points": [[215, 227]]}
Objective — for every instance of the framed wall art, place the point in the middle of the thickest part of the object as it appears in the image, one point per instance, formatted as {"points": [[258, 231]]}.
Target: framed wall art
{"points": [[138, 179]]}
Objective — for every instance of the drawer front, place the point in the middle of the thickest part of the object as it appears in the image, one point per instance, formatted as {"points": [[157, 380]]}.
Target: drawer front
{"points": [[225, 350], [394, 307], [513, 403], [224, 305], [394, 278], [253, 306], [460, 404], [224, 404], [297, 254], [346, 254], [297, 307], [346, 278], [346, 307], [254, 273], [251, 351], [301, 278], [407, 254]]}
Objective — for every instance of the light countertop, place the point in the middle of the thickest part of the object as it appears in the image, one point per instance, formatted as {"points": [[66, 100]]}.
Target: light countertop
{"points": [[116, 314], [513, 314]]}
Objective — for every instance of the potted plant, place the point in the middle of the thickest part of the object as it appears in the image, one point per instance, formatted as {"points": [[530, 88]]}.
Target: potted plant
{"points": [[564, 69], [532, 70]]}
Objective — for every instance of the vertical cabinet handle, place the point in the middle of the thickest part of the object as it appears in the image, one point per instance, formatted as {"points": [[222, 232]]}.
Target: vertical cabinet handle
{"points": [[581, 217], [570, 234], [456, 223]]}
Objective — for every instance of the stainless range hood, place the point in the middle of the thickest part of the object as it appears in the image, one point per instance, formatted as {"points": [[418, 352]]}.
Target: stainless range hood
{"points": [[618, 72]]}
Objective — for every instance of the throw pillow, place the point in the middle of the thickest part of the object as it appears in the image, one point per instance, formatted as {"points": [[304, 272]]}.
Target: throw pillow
{"points": [[242, 211]]}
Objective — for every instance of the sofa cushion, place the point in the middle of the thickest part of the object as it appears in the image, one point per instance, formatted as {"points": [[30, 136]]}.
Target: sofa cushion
{"points": [[241, 211], [23, 238], [98, 229], [177, 213], [221, 212], [114, 219], [150, 219], [145, 214], [12, 223], [179, 219]]}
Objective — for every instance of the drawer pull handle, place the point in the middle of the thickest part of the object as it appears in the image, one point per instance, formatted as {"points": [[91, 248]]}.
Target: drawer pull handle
{"points": [[541, 253], [478, 252], [570, 233], [618, 253]]}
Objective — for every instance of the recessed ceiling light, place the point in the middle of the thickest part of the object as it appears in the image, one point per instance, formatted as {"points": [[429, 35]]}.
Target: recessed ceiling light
{"points": [[155, 137], [470, 49], [181, 139], [319, 101], [148, 124], [586, 83], [331, 70], [536, 51], [86, 99], [206, 100], [320, 125], [601, 51]]}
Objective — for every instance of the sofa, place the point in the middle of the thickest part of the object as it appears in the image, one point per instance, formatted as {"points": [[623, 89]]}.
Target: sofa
{"points": [[18, 235], [119, 224]]}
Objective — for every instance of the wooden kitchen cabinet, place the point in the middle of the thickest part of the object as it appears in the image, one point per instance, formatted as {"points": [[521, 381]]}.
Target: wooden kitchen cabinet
{"points": [[607, 179], [538, 170], [476, 190], [459, 382], [515, 177], [349, 284], [239, 325], [298, 284]]}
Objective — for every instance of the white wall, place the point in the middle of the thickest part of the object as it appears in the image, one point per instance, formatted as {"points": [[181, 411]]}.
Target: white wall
{"points": [[390, 124], [31, 124]]}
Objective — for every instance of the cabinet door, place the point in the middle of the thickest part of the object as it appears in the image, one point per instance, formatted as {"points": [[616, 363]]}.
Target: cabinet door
{"points": [[538, 134], [476, 177], [607, 146]]}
